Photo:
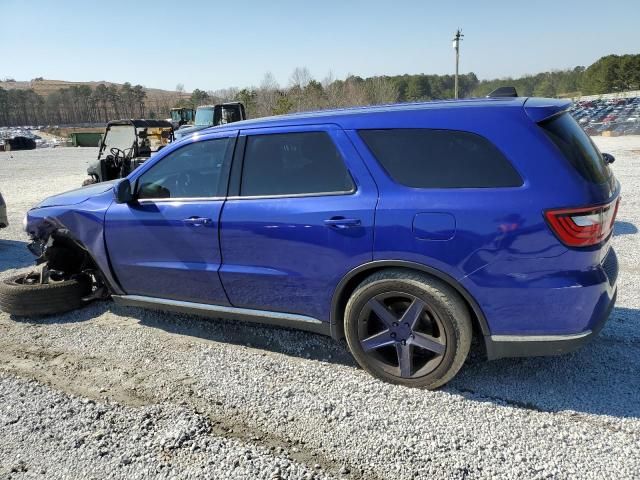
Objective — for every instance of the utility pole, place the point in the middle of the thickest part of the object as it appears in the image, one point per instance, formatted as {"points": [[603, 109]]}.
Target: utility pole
{"points": [[456, 47]]}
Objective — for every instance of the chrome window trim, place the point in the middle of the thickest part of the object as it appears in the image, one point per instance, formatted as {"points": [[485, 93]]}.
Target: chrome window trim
{"points": [[240, 197], [179, 199], [294, 195]]}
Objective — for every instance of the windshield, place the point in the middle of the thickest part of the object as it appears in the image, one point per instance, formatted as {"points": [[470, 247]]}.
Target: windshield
{"points": [[119, 136], [204, 116], [175, 115]]}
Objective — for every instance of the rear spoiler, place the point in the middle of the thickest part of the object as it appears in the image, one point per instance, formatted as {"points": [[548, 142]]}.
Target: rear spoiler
{"points": [[539, 109]]}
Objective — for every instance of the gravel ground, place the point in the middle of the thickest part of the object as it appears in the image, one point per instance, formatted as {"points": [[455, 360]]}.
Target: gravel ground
{"points": [[129, 393]]}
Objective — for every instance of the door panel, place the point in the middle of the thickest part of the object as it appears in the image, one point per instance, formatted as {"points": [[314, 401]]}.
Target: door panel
{"points": [[287, 253], [167, 249], [165, 244]]}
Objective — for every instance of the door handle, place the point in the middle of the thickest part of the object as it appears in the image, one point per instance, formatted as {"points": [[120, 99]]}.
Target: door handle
{"points": [[341, 222], [197, 221]]}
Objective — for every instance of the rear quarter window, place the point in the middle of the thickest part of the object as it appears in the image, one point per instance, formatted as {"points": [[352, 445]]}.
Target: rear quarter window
{"points": [[430, 158], [577, 147]]}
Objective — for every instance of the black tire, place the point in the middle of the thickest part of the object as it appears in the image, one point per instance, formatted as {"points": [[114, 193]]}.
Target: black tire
{"points": [[434, 344], [26, 300]]}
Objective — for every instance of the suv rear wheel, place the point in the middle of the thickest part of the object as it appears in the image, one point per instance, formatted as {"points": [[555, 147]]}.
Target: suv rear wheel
{"points": [[408, 328]]}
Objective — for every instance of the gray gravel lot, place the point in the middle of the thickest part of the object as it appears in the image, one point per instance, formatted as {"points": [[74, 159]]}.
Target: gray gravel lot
{"points": [[129, 393]]}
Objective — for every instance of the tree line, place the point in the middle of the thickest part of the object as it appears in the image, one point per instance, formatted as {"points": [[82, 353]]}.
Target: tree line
{"points": [[610, 74], [72, 105], [79, 104]]}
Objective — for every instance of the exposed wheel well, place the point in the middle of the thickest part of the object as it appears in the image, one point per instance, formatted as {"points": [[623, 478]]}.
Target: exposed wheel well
{"points": [[66, 255], [355, 277], [63, 253]]}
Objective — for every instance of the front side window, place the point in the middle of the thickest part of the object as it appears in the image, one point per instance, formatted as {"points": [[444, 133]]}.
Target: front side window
{"points": [[293, 164], [429, 158], [193, 171]]}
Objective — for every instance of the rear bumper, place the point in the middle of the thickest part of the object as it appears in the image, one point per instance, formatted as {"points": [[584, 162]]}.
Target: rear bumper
{"points": [[501, 346]]}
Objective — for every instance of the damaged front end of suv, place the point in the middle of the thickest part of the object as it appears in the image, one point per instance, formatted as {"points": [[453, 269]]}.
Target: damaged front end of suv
{"points": [[63, 230]]}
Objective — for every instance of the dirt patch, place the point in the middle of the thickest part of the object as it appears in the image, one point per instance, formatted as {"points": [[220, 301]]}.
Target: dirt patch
{"points": [[101, 379]]}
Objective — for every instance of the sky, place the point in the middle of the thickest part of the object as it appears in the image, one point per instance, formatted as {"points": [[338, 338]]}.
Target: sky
{"points": [[213, 44]]}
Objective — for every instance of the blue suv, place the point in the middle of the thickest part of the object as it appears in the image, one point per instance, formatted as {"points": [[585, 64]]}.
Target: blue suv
{"points": [[405, 229]]}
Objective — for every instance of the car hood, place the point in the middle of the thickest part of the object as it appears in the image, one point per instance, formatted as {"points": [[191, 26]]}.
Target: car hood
{"points": [[76, 196]]}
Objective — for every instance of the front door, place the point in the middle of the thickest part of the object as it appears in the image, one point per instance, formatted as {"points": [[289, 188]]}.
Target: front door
{"points": [[165, 243], [302, 218]]}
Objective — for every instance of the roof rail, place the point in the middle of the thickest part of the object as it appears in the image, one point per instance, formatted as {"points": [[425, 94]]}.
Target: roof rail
{"points": [[503, 92]]}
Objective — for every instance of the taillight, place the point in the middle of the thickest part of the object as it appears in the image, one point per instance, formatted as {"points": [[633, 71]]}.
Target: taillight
{"points": [[583, 227]]}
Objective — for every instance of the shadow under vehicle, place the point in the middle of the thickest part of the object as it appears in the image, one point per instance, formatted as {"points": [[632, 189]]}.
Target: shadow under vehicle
{"points": [[126, 145]]}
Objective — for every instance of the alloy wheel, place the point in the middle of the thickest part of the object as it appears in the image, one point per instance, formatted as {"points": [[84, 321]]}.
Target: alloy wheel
{"points": [[401, 334]]}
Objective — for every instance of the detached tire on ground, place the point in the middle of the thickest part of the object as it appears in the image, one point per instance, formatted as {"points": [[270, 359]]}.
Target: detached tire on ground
{"points": [[26, 300], [408, 328]]}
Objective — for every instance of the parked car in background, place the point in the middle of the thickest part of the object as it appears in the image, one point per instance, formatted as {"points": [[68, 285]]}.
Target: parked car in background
{"points": [[406, 229], [591, 113], [633, 130], [4, 221]]}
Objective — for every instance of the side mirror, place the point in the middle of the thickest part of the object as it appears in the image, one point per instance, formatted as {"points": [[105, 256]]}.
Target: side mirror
{"points": [[608, 158], [123, 191]]}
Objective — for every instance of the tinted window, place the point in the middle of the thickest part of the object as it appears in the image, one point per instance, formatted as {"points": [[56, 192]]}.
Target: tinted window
{"points": [[195, 170], [293, 163], [425, 158], [577, 147]]}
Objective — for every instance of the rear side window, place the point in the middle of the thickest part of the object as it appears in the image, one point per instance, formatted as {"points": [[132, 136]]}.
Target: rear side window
{"points": [[577, 147], [293, 164], [428, 158]]}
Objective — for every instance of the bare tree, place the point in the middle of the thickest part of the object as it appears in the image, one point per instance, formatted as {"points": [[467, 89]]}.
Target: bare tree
{"points": [[381, 90], [224, 94], [267, 95], [299, 96], [354, 93], [333, 91], [179, 93], [300, 77]]}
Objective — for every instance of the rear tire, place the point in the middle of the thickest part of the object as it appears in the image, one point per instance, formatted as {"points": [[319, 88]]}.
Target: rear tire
{"points": [[25, 300], [408, 328]]}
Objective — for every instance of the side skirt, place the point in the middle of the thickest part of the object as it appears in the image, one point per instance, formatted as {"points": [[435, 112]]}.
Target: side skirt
{"points": [[288, 320]]}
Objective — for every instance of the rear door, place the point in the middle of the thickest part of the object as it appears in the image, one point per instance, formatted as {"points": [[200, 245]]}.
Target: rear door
{"points": [[165, 243], [301, 217]]}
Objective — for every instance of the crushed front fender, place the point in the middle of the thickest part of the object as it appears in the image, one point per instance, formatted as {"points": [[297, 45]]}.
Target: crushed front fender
{"points": [[83, 223]]}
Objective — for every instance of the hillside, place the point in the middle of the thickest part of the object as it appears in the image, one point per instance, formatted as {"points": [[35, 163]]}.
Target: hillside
{"points": [[46, 87]]}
